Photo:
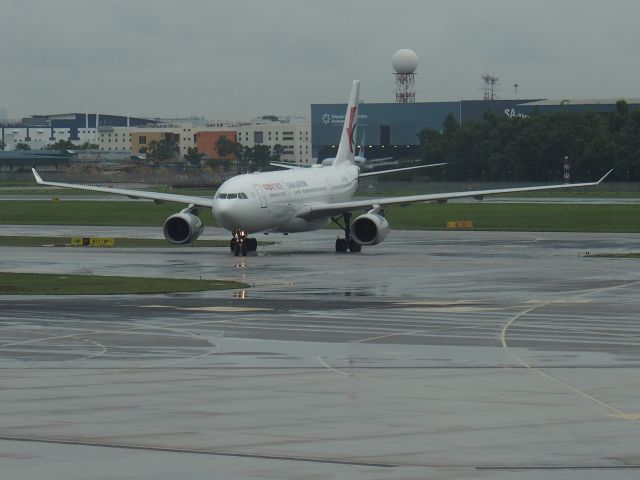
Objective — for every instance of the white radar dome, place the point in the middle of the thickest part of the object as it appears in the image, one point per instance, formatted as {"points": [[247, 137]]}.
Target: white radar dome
{"points": [[405, 61]]}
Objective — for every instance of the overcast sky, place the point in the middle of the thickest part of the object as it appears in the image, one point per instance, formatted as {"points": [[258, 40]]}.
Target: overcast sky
{"points": [[237, 59]]}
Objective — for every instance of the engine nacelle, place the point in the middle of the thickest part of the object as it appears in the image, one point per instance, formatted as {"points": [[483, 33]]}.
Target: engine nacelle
{"points": [[182, 228], [369, 229]]}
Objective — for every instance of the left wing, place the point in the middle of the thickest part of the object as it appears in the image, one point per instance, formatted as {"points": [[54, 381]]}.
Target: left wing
{"points": [[315, 210], [156, 196], [403, 169]]}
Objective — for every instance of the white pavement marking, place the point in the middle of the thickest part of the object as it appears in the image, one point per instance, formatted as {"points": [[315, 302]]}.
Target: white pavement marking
{"points": [[503, 339]]}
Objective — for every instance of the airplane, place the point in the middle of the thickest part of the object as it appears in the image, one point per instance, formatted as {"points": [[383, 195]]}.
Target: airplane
{"points": [[359, 159], [298, 199]]}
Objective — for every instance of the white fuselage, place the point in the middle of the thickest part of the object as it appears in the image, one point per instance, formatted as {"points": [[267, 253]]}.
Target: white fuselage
{"points": [[270, 201]]}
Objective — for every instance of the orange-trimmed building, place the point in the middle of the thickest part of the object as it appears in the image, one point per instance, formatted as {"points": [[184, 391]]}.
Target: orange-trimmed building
{"points": [[140, 139], [206, 143]]}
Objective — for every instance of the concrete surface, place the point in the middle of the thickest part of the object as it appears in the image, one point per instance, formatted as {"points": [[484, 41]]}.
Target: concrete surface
{"points": [[443, 355]]}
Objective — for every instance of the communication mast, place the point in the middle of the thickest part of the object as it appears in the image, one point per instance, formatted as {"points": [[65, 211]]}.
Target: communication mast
{"points": [[405, 62], [490, 88]]}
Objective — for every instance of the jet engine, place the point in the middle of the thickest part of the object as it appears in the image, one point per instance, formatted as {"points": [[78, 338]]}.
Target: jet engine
{"points": [[183, 228], [369, 229]]}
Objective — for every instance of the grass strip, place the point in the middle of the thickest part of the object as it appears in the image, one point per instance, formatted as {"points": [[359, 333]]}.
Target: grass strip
{"points": [[486, 216], [519, 217], [63, 284], [133, 213]]}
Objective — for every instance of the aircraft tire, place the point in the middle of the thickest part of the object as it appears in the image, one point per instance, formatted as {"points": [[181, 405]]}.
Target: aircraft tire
{"points": [[341, 245], [354, 246]]}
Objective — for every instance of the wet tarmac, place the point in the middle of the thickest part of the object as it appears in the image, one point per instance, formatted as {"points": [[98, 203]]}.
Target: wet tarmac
{"points": [[433, 355]]}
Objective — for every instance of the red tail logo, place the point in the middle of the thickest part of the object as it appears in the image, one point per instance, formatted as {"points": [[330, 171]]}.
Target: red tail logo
{"points": [[351, 128]]}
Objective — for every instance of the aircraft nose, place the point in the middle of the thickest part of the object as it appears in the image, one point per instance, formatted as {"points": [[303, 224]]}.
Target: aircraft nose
{"points": [[228, 214], [224, 213]]}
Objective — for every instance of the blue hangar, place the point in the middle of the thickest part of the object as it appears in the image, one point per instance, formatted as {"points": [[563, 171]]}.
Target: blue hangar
{"points": [[398, 124]]}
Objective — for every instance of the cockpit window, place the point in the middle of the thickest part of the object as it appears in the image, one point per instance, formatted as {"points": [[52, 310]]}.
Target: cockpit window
{"points": [[229, 196]]}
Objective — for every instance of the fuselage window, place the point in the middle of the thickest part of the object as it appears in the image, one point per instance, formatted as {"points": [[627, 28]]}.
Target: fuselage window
{"points": [[222, 195], [243, 196], [232, 195]]}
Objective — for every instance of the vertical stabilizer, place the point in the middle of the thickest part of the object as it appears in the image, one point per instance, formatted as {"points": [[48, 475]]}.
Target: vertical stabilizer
{"points": [[347, 145]]}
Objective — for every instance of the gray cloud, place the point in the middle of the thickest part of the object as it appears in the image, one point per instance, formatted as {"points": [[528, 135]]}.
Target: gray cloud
{"points": [[236, 59]]}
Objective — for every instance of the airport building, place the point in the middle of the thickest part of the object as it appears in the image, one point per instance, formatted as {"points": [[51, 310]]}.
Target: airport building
{"points": [[38, 131], [382, 125], [131, 135], [398, 124], [294, 137]]}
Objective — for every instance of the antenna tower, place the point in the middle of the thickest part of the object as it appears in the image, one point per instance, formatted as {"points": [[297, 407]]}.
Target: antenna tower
{"points": [[490, 88]]}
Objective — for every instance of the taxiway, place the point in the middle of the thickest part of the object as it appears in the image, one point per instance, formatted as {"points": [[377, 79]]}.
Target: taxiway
{"points": [[432, 355]]}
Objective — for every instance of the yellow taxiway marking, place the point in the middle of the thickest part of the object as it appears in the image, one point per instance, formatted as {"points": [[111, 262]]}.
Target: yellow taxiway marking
{"points": [[503, 339], [212, 309]]}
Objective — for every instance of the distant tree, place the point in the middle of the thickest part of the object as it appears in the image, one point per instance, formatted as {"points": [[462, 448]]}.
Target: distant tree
{"points": [[622, 108], [532, 149], [276, 153], [224, 146], [450, 125], [23, 146], [257, 158], [193, 156], [241, 153], [152, 152], [60, 145], [88, 146], [167, 149]]}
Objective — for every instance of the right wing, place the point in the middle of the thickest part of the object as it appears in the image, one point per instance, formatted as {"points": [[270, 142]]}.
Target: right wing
{"points": [[156, 196], [290, 166], [316, 210]]}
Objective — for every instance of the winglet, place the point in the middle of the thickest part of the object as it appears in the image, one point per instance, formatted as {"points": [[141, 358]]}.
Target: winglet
{"points": [[38, 177], [603, 177]]}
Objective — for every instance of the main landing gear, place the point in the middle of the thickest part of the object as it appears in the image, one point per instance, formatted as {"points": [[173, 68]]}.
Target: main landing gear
{"points": [[240, 244], [346, 244]]}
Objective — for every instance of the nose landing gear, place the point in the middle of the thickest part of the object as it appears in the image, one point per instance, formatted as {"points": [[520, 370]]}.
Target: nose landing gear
{"points": [[240, 244]]}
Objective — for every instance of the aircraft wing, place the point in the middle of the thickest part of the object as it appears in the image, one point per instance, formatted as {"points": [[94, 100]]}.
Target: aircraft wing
{"points": [[395, 170], [290, 166], [381, 159], [316, 210], [156, 196]]}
